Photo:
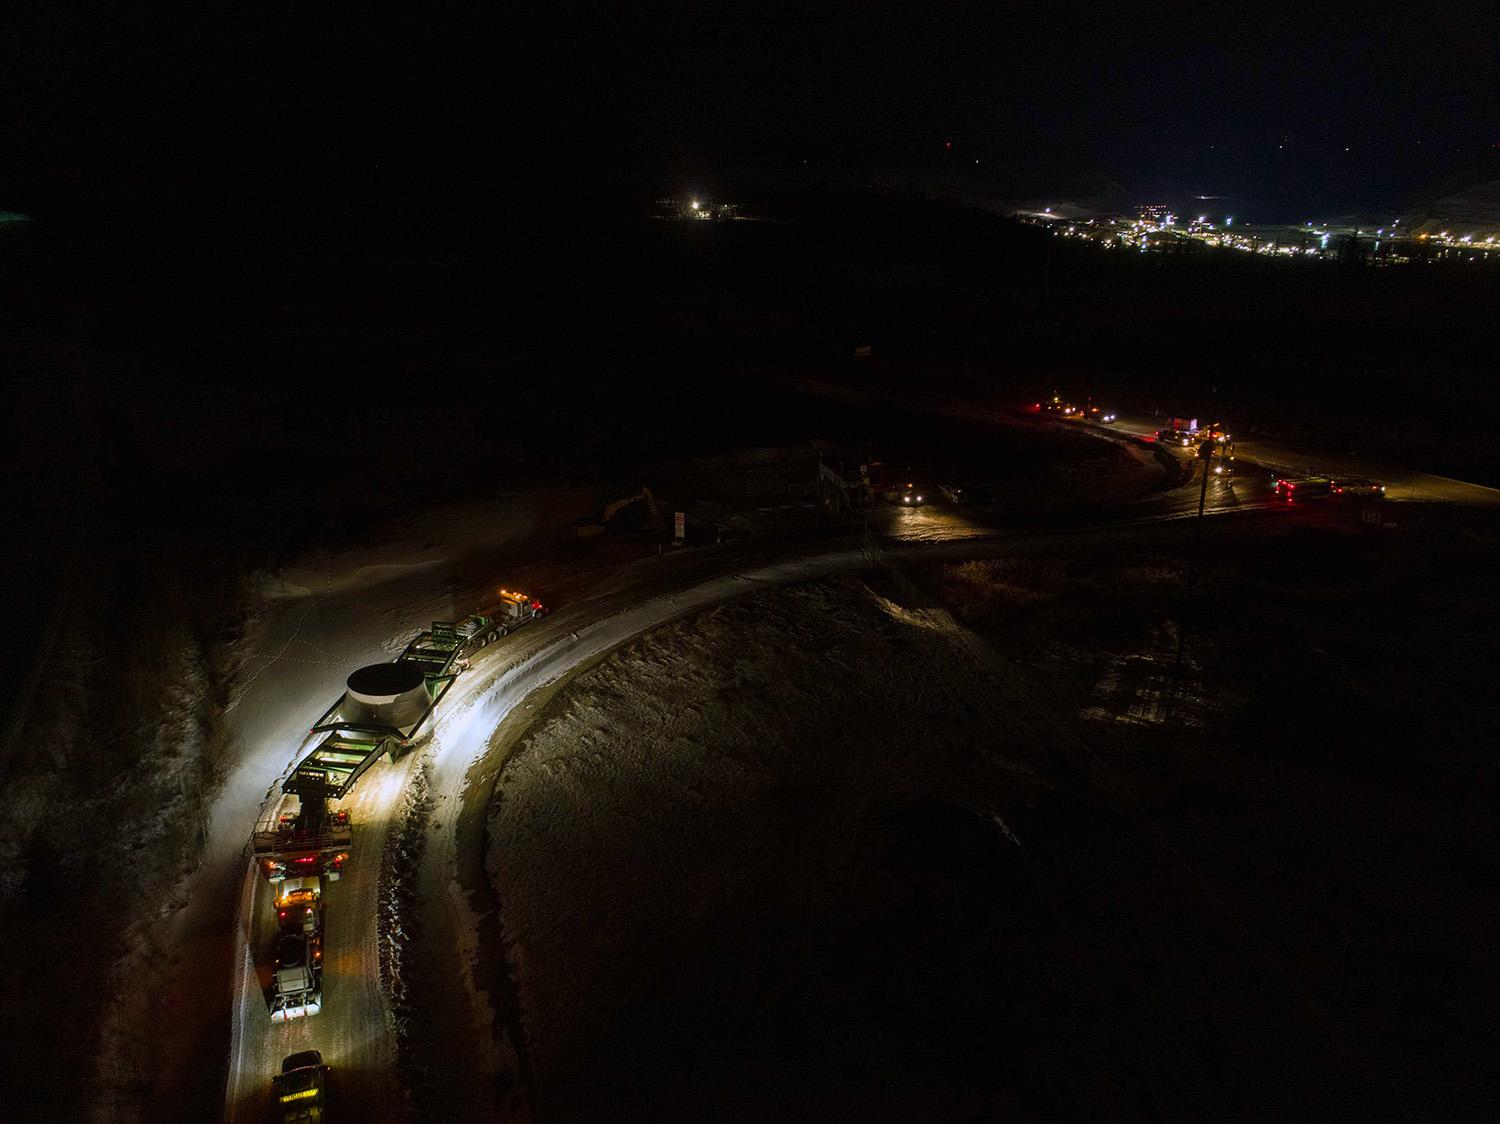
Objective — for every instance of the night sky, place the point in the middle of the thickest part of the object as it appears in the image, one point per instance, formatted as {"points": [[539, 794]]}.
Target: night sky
{"points": [[328, 108]]}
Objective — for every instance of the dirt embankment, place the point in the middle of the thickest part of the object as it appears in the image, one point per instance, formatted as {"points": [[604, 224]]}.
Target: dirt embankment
{"points": [[108, 780], [809, 855]]}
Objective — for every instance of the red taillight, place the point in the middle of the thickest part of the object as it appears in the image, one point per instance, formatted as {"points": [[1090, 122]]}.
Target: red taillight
{"points": [[281, 914]]}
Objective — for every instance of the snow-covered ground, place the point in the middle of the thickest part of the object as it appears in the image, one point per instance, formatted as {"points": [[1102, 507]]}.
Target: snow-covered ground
{"points": [[310, 626], [699, 821], [817, 853]]}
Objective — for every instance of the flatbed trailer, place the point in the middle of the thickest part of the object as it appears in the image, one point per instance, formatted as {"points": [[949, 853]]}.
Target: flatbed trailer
{"points": [[440, 654], [317, 840]]}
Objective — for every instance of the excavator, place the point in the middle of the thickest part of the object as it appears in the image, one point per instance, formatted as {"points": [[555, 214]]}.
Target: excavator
{"points": [[611, 519]]}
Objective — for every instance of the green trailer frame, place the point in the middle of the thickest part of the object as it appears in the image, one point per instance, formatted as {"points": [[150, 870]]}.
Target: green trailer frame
{"points": [[350, 747], [353, 746]]}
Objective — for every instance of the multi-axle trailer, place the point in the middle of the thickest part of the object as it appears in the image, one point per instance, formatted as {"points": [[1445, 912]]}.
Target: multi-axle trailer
{"points": [[386, 709]]}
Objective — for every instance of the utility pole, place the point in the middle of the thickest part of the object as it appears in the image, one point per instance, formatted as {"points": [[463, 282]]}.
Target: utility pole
{"points": [[1206, 455]]}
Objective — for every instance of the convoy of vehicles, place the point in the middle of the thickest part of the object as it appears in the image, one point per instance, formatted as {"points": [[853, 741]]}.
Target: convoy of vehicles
{"points": [[306, 840], [304, 835]]}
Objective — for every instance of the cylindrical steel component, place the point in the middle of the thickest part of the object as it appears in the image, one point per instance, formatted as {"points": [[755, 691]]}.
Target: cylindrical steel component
{"points": [[387, 694]]}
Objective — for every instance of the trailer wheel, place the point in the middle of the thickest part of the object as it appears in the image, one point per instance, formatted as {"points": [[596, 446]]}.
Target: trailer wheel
{"points": [[500, 631]]}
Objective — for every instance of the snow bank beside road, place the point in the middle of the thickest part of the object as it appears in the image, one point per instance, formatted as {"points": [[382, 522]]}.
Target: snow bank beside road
{"points": [[816, 854], [707, 819]]}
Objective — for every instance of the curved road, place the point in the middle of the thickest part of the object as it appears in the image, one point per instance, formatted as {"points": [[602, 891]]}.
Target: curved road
{"points": [[354, 1031]]}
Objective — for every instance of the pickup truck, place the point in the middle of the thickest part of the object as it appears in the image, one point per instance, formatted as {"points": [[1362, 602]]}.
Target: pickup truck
{"points": [[300, 1087]]}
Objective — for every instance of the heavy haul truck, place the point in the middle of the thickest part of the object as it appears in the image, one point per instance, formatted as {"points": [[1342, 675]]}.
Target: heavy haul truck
{"points": [[297, 985], [385, 709]]}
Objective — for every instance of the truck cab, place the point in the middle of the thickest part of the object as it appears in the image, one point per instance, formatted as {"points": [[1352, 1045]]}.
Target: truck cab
{"points": [[299, 904], [516, 608], [297, 986]]}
